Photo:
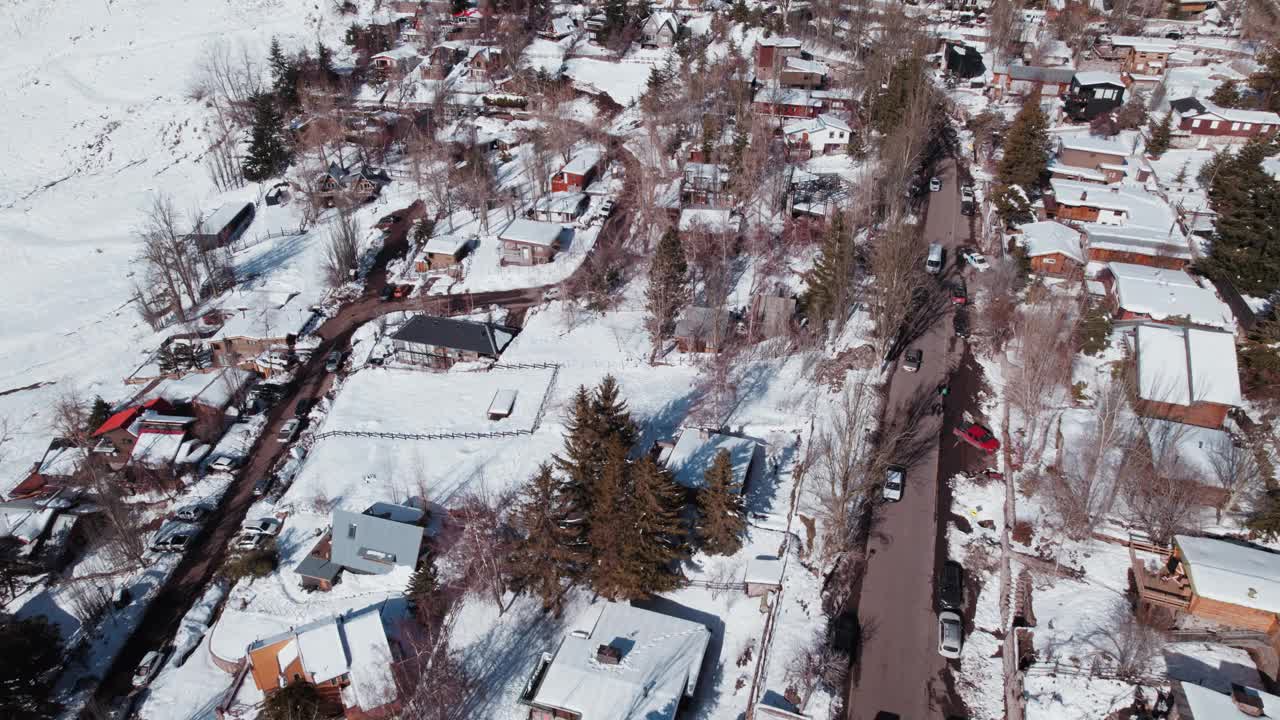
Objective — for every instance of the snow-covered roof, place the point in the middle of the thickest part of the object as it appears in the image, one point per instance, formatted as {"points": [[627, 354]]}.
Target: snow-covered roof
{"points": [[1144, 44], [560, 202], [1232, 573], [222, 217], [446, 243], [1048, 237], [696, 449], [534, 232], [322, 651], [1146, 241], [1094, 144], [213, 389], [1098, 77], [825, 121], [1181, 365], [764, 570], [1208, 704], [778, 41], [372, 684], [562, 25], [715, 220], [1259, 117], [25, 520], [584, 157], [785, 96], [156, 449], [660, 660], [1141, 208], [806, 66], [1079, 173], [1162, 294], [398, 53], [375, 541]]}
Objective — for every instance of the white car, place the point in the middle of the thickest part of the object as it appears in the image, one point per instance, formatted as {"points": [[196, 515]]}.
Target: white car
{"points": [[935, 184], [147, 669], [224, 463], [976, 260], [894, 478], [262, 526], [191, 513], [950, 634], [288, 430], [248, 542]]}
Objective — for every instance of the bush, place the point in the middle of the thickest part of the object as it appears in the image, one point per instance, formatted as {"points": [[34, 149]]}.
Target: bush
{"points": [[1094, 333], [252, 564], [297, 701]]}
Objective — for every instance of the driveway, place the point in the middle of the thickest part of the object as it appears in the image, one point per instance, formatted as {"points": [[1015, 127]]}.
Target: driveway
{"points": [[898, 673]]}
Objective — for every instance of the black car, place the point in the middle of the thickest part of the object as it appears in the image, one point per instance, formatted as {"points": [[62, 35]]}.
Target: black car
{"points": [[951, 585], [388, 292], [303, 407], [913, 360], [961, 323]]}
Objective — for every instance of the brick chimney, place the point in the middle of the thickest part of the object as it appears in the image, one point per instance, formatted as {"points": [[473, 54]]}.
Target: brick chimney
{"points": [[608, 655]]}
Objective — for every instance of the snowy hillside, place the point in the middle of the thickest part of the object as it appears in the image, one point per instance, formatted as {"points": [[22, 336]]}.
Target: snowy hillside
{"points": [[98, 119]]}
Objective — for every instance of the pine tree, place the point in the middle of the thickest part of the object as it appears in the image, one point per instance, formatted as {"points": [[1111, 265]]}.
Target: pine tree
{"points": [[547, 553], [615, 571], [831, 279], [1246, 243], [658, 535], [324, 60], [1227, 94], [579, 462], [34, 649], [1266, 82], [1012, 205], [1026, 148], [611, 416], [423, 584], [277, 62], [1159, 135], [722, 515], [268, 156], [668, 287], [890, 104], [99, 413]]}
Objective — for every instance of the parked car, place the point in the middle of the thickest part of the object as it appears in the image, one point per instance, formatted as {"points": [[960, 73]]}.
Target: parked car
{"points": [[966, 193], [248, 542], [173, 542], [960, 323], [333, 361], [912, 360], [934, 261], [935, 184], [976, 260], [959, 292], [977, 436], [261, 526], [148, 668], [224, 463], [303, 408], [951, 585], [289, 430], [895, 477], [388, 293], [950, 634], [191, 513], [261, 487]]}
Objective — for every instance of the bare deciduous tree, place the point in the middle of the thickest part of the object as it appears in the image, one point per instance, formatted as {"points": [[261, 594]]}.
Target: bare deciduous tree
{"points": [[1036, 380], [342, 255], [1084, 481], [1130, 645], [841, 457], [900, 286], [818, 664], [1236, 469]]}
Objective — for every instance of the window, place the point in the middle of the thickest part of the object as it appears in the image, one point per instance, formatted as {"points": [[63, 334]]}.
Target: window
{"points": [[1197, 123], [1050, 261], [351, 531], [1213, 124], [1247, 126], [1235, 126], [1105, 93]]}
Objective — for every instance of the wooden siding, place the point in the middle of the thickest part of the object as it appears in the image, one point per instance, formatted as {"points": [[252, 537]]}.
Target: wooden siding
{"points": [[1079, 213], [1087, 158], [1225, 128], [1235, 616], [1202, 414], [1103, 255], [1056, 264]]}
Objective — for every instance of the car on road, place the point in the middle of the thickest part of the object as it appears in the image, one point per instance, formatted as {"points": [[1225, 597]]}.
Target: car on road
{"points": [[303, 408], [935, 184], [959, 292], [912, 360], [333, 361], [224, 463], [261, 487], [191, 513], [388, 293], [934, 261], [951, 585], [950, 634], [173, 542], [977, 436], [289, 430], [967, 204], [895, 476], [960, 323], [975, 259], [148, 668]]}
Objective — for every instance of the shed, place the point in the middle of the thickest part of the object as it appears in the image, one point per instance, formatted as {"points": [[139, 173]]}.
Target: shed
{"points": [[763, 575], [503, 403]]}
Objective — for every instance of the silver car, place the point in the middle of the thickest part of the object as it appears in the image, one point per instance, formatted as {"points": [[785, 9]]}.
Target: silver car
{"points": [[894, 478], [950, 634]]}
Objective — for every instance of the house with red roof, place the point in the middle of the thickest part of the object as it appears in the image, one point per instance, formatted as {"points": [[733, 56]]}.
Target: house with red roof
{"points": [[116, 438]]}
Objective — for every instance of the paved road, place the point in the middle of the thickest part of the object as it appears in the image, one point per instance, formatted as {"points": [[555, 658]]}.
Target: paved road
{"points": [[201, 561], [897, 672]]}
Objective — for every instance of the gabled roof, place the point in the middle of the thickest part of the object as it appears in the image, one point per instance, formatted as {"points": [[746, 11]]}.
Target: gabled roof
{"points": [[1032, 73], [1187, 105], [469, 335], [696, 449], [536, 232], [1259, 117], [1206, 704], [806, 66], [376, 543], [1182, 366], [1093, 143], [1163, 294], [1098, 77], [1231, 572], [778, 41], [1144, 44], [584, 157], [125, 418], [1048, 237], [661, 657]]}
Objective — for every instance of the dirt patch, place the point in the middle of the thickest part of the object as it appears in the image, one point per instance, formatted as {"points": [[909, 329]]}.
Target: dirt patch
{"points": [[962, 523], [1022, 532]]}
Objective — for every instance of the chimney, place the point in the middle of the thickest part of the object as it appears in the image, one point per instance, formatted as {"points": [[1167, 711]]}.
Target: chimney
{"points": [[1084, 195], [1247, 701], [608, 655]]}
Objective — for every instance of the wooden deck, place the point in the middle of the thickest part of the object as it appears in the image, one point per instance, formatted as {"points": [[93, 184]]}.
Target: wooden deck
{"points": [[1155, 589]]}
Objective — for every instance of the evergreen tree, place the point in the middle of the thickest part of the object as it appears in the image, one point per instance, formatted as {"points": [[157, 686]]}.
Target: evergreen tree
{"points": [[547, 552], [1266, 520], [1012, 205], [615, 571], [1026, 148], [34, 649], [668, 286], [1246, 243], [722, 515], [579, 462], [424, 583], [294, 701], [831, 279], [890, 104], [268, 155], [99, 413], [611, 416], [277, 62], [324, 60], [1159, 135], [658, 535], [1266, 82], [1227, 94]]}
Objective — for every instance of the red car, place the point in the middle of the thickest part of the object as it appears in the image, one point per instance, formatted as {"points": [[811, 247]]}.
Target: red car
{"points": [[977, 436]]}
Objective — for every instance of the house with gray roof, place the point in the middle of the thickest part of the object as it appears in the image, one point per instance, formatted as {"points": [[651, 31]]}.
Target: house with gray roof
{"points": [[440, 342], [374, 542]]}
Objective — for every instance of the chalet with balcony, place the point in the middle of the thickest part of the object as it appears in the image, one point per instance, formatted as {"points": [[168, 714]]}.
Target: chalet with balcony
{"points": [[660, 30], [348, 659], [440, 342], [396, 62], [532, 242], [338, 185], [1227, 582], [618, 662]]}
